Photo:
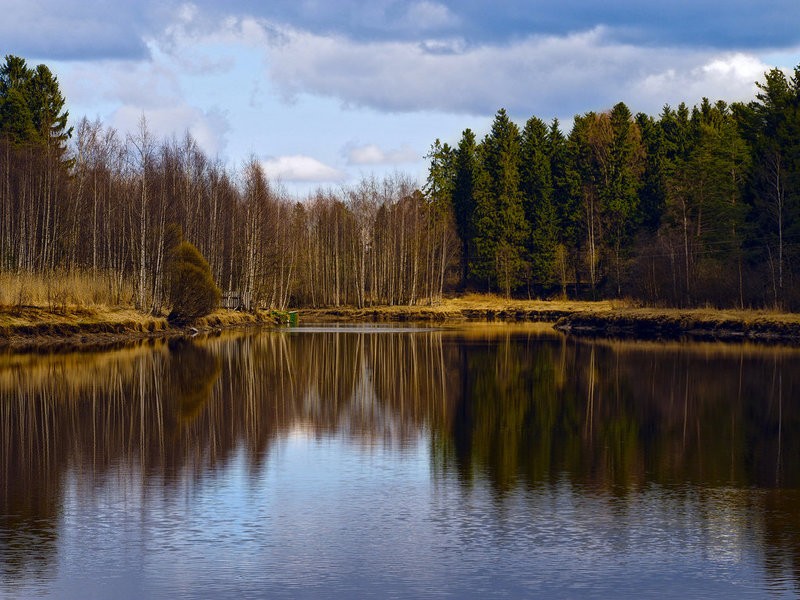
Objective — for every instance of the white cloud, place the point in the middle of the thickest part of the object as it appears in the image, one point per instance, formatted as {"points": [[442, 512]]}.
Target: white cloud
{"points": [[198, 62], [299, 168], [371, 154], [728, 77], [230, 31], [544, 75]]}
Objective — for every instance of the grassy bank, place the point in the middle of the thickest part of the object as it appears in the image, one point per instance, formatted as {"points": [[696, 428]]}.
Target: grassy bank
{"points": [[604, 318], [85, 321], [79, 309], [471, 307], [31, 327], [672, 323]]}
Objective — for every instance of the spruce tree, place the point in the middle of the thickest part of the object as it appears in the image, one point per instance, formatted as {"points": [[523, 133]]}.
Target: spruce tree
{"points": [[466, 167], [621, 190], [439, 193], [536, 184], [32, 106], [565, 204], [47, 110], [16, 119], [652, 195], [500, 225], [771, 125]]}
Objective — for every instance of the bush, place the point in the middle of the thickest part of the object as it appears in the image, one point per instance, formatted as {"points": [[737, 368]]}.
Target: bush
{"points": [[190, 287]]}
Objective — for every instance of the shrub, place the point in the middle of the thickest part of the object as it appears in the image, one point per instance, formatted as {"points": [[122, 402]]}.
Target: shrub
{"points": [[190, 287]]}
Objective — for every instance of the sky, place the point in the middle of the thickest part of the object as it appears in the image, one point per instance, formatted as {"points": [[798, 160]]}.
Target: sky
{"points": [[324, 93]]}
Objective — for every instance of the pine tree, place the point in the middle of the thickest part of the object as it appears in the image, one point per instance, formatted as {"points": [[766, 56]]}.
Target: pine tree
{"points": [[32, 106], [536, 184], [621, 190], [587, 173], [16, 122], [466, 167], [717, 167], [771, 125], [439, 192], [47, 110], [676, 217], [652, 196], [16, 119], [500, 226], [566, 205]]}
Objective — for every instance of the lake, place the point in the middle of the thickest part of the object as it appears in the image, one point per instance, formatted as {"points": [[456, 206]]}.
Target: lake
{"points": [[488, 461]]}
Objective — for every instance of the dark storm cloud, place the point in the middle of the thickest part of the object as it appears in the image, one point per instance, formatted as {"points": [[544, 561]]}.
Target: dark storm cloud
{"points": [[77, 30], [90, 29], [728, 24]]}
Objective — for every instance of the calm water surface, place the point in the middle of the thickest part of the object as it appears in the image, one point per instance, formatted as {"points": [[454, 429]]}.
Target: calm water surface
{"points": [[375, 462]]}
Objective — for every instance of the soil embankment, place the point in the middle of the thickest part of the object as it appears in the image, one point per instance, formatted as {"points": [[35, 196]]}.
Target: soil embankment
{"points": [[31, 328], [671, 324]]}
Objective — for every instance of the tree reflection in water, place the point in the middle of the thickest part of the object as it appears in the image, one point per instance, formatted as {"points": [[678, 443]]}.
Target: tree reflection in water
{"points": [[715, 427]]}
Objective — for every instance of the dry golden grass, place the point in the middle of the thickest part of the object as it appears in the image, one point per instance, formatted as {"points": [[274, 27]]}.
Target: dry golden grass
{"points": [[223, 317], [707, 315], [65, 304], [62, 290], [31, 321], [468, 306], [620, 307], [494, 302], [618, 317], [69, 304]]}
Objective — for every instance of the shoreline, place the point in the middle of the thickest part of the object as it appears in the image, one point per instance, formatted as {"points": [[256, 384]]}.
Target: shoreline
{"points": [[36, 329], [469, 308], [690, 324], [590, 319]]}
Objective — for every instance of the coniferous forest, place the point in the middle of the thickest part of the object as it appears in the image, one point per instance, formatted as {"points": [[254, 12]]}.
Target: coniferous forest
{"points": [[693, 206]]}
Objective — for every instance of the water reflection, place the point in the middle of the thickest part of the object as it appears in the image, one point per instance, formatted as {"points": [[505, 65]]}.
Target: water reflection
{"points": [[617, 414], [706, 433]]}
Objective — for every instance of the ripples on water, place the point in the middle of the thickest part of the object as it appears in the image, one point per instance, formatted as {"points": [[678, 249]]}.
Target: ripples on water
{"points": [[486, 462]]}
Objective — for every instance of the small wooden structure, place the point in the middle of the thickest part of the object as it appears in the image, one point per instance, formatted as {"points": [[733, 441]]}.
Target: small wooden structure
{"points": [[231, 299]]}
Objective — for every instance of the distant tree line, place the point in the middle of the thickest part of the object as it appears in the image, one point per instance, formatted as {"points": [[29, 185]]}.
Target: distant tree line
{"points": [[97, 201], [695, 206], [691, 207]]}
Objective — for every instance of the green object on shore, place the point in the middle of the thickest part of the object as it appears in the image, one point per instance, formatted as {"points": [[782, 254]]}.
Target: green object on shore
{"points": [[282, 317]]}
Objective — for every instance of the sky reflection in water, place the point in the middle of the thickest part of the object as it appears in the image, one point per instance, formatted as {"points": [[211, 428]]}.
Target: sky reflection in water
{"points": [[487, 462]]}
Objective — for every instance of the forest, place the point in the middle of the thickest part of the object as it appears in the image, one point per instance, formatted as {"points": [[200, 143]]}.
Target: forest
{"points": [[696, 206]]}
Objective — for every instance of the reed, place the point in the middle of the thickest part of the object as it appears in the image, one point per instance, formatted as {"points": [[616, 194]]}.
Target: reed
{"points": [[63, 290]]}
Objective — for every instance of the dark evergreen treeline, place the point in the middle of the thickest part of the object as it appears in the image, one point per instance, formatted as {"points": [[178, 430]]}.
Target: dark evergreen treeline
{"points": [[691, 207], [694, 206]]}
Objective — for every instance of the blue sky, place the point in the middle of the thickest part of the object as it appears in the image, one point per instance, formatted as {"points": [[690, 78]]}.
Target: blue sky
{"points": [[325, 92]]}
